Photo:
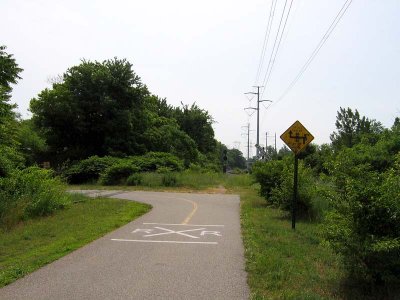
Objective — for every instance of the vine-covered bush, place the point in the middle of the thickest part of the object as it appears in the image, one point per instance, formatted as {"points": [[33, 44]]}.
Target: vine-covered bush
{"points": [[152, 161], [89, 169], [118, 173]]}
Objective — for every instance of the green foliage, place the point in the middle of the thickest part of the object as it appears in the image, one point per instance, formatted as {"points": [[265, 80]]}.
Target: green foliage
{"points": [[164, 135], [118, 173], [169, 179], [152, 161], [9, 71], [276, 184], [317, 157], [268, 175], [236, 159], [31, 144], [134, 179], [10, 159], [351, 127], [96, 110], [197, 123], [28, 193], [89, 169], [113, 170], [364, 226]]}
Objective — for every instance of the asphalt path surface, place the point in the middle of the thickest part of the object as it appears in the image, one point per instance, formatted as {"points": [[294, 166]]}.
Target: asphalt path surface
{"points": [[187, 247]]}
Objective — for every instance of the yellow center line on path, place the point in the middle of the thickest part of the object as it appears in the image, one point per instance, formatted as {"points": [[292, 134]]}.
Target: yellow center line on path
{"points": [[195, 206]]}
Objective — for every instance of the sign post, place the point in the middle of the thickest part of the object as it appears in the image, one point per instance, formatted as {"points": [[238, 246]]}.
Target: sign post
{"points": [[297, 138]]}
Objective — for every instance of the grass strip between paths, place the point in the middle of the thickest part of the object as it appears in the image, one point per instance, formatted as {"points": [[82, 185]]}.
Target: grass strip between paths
{"points": [[37, 242]]}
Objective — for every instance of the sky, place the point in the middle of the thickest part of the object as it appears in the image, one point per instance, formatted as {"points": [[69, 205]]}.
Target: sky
{"points": [[209, 52]]}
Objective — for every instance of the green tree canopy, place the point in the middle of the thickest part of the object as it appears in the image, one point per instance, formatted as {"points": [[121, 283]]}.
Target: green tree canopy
{"points": [[351, 127], [9, 74], [96, 109], [197, 123], [236, 159]]}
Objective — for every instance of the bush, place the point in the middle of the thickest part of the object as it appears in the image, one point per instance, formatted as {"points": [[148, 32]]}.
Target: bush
{"points": [[268, 175], [282, 195], [364, 226], [169, 179], [9, 160], [134, 179], [89, 169], [28, 193], [152, 161], [118, 173], [276, 184]]}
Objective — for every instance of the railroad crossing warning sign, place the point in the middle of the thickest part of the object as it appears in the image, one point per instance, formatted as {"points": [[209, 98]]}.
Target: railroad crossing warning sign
{"points": [[297, 137]]}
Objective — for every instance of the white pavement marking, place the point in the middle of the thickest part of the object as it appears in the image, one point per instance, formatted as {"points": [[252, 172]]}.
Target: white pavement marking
{"points": [[171, 242], [181, 232], [217, 233], [181, 224], [142, 230]]}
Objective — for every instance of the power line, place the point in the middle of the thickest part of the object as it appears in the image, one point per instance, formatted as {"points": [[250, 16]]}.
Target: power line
{"points": [[333, 25], [277, 48], [266, 39], [273, 48]]}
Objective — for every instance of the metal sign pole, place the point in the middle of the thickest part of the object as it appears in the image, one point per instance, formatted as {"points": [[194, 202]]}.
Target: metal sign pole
{"points": [[297, 138], [295, 179]]}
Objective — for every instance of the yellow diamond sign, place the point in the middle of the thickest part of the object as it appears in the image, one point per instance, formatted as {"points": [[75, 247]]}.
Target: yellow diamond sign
{"points": [[297, 137]]}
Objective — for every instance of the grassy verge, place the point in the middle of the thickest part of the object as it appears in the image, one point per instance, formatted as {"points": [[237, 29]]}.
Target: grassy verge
{"points": [[282, 263], [37, 242], [185, 182]]}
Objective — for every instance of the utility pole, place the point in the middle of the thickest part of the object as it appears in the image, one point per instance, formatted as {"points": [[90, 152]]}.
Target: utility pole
{"points": [[266, 139], [258, 111], [248, 142]]}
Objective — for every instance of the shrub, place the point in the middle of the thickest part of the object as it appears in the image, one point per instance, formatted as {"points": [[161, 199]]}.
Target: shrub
{"points": [[364, 226], [152, 161], [31, 192], [118, 173], [88, 169], [276, 184], [268, 175], [134, 179], [282, 194], [9, 160], [169, 179]]}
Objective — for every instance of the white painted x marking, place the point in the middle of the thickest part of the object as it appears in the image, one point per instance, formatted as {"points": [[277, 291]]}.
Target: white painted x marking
{"points": [[180, 232]]}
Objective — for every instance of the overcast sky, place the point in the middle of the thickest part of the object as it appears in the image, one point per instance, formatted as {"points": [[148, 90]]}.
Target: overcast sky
{"points": [[208, 52]]}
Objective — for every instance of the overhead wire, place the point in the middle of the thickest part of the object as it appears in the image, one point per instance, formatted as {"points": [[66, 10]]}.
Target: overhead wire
{"points": [[274, 46], [269, 72], [266, 39], [323, 40]]}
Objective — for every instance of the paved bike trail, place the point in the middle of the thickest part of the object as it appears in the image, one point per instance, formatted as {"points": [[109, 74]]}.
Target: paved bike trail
{"points": [[187, 247]]}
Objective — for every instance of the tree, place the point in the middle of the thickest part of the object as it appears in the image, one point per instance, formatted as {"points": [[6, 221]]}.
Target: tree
{"points": [[236, 159], [197, 123], [164, 135], [9, 74], [351, 127], [96, 110]]}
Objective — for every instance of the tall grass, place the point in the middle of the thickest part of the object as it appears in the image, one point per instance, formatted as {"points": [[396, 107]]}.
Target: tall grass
{"points": [[30, 193]]}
